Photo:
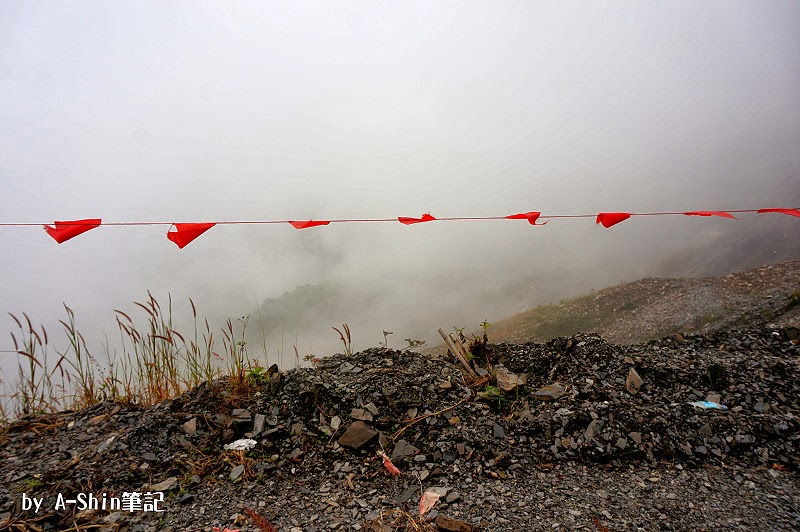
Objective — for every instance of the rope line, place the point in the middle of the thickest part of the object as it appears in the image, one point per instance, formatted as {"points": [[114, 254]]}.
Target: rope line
{"points": [[371, 220], [185, 233]]}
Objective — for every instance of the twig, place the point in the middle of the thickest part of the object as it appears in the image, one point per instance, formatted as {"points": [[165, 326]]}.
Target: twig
{"points": [[457, 353], [417, 419]]}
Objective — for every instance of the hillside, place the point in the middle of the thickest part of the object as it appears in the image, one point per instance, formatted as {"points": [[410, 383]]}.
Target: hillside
{"points": [[586, 431], [654, 308], [304, 314]]}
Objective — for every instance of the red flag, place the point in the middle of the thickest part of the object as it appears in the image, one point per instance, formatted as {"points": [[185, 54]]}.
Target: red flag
{"points": [[530, 216], [185, 233], [309, 223], [408, 221], [723, 214], [612, 218], [63, 231], [790, 212]]}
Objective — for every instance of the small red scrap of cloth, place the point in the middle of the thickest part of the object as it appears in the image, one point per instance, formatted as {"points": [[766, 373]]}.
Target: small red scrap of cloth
{"points": [[408, 221], [185, 233], [612, 218], [63, 231], [790, 212], [722, 214], [309, 223], [530, 216]]}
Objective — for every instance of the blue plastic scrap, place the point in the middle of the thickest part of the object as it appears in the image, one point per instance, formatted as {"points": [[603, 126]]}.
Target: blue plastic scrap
{"points": [[708, 405]]}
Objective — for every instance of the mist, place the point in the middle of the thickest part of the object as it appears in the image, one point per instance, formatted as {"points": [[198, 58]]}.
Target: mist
{"points": [[193, 112]]}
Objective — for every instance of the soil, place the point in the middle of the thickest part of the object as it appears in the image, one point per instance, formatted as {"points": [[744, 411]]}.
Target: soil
{"points": [[599, 437]]}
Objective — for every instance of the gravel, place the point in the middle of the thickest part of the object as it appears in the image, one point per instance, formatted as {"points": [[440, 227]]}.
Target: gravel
{"points": [[588, 435]]}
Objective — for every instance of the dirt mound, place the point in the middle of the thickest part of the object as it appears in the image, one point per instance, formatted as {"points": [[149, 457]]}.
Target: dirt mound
{"points": [[590, 412]]}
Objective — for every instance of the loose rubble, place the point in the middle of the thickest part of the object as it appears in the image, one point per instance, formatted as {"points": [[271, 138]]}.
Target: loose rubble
{"points": [[575, 433]]}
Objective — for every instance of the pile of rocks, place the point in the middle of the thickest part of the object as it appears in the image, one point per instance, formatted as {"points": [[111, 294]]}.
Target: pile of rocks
{"points": [[571, 408], [636, 402]]}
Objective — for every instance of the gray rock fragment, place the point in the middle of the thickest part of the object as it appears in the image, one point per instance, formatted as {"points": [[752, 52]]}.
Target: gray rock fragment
{"points": [[236, 472], [361, 414], [357, 435], [241, 415], [258, 424], [190, 427], [403, 448], [506, 379], [164, 485], [371, 408], [550, 392], [498, 432], [634, 382]]}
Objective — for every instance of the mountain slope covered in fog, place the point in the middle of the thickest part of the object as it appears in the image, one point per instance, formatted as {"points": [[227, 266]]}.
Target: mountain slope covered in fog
{"points": [[653, 308]]}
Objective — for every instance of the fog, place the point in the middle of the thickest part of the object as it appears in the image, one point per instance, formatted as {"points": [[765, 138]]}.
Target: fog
{"points": [[195, 112]]}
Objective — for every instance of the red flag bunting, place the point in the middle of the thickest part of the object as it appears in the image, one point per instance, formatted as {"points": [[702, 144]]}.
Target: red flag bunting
{"points": [[530, 216], [63, 231], [612, 218], [309, 223], [790, 212], [185, 233], [408, 221], [723, 214]]}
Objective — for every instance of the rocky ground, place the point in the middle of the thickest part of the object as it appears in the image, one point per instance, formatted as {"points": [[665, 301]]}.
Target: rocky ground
{"points": [[586, 435], [653, 308]]}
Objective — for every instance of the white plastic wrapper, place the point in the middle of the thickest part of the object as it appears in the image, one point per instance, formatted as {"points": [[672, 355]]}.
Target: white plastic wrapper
{"points": [[241, 445]]}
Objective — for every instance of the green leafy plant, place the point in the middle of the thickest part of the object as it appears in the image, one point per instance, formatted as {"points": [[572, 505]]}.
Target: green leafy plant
{"points": [[29, 485], [236, 350], [256, 376], [494, 395], [492, 392]]}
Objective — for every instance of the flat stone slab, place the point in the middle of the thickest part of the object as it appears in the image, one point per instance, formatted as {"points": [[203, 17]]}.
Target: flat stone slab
{"points": [[357, 435], [403, 448], [551, 392]]}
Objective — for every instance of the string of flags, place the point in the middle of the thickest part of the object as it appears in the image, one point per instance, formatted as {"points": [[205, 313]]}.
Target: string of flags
{"points": [[183, 234]]}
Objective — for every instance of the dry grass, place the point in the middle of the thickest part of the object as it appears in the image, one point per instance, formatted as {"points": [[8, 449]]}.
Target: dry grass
{"points": [[394, 520], [344, 336], [259, 521], [154, 361]]}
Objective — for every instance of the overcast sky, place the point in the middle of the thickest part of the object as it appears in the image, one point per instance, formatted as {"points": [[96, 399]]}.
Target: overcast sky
{"points": [[207, 111]]}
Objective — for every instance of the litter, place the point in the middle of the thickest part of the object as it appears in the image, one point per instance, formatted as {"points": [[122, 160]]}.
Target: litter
{"points": [[706, 405], [427, 501], [241, 445], [390, 467]]}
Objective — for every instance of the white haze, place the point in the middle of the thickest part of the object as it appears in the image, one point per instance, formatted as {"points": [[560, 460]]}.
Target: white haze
{"points": [[190, 111]]}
